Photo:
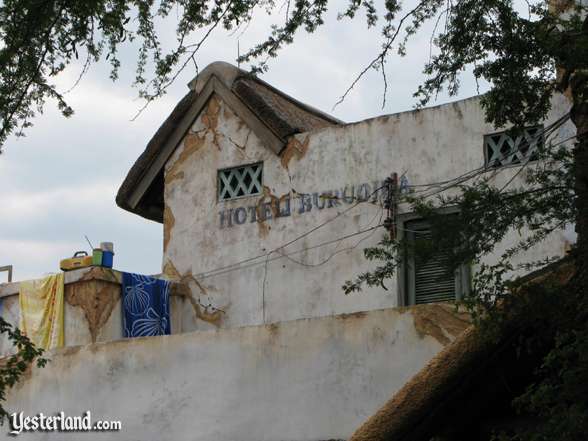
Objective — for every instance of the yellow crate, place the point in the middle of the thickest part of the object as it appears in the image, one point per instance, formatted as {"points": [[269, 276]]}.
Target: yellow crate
{"points": [[77, 261]]}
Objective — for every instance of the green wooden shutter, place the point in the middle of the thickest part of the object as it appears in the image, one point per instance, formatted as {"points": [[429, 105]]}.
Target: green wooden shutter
{"points": [[429, 281], [433, 281]]}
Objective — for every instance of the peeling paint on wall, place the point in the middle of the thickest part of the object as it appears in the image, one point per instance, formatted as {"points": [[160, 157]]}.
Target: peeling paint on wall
{"points": [[294, 148], [439, 321], [210, 119], [104, 274], [352, 315], [325, 176], [192, 143], [265, 210], [170, 271], [214, 315], [207, 313], [97, 299], [168, 225]]}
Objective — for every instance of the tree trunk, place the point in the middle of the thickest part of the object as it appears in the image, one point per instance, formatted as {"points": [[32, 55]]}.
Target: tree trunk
{"points": [[579, 116]]}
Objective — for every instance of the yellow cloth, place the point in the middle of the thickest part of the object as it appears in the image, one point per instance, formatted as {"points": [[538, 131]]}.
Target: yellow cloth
{"points": [[41, 311]]}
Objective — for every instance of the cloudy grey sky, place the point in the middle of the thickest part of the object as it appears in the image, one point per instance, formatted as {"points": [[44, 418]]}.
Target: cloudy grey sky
{"points": [[59, 182]]}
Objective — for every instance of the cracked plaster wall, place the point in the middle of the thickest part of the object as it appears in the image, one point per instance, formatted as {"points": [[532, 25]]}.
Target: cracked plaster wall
{"points": [[304, 380], [92, 313], [430, 145]]}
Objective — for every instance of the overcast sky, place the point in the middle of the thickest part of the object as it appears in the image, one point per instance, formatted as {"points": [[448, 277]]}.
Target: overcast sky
{"points": [[59, 182]]}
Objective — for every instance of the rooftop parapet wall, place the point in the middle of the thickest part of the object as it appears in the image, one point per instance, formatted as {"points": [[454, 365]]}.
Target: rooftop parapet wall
{"points": [[92, 308], [305, 380]]}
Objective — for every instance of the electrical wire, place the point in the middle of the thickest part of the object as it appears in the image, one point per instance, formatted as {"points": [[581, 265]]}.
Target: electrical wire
{"points": [[271, 259], [337, 251], [206, 274], [527, 162], [556, 124], [445, 185], [546, 132]]}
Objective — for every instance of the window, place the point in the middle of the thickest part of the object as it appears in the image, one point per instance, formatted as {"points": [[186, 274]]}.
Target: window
{"points": [[502, 149], [240, 181], [431, 281]]}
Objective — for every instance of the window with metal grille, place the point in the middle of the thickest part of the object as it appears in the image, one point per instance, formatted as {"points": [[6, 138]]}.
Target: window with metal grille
{"points": [[431, 280], [240, 181], [503, 149]]}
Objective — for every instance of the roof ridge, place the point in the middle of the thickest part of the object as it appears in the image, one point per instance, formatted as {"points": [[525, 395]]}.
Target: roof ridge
{"points": [[308, 108], [273, 114]]}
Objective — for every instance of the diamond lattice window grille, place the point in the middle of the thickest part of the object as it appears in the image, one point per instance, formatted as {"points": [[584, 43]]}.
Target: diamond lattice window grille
{"points": [[502, 149], [240, 181]]}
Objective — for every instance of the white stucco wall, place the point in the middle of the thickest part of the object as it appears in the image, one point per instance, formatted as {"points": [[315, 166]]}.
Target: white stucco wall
{"points": [[92, 307], [311, 379], [271, 358], [430, 145]]}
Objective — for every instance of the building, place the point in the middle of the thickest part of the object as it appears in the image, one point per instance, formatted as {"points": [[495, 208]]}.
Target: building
{"points": [[266, 205], [466, 391]]}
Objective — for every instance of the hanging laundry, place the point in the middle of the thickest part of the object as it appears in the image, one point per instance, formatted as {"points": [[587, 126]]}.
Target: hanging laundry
{"points": [[41, 311], [145, 306]]}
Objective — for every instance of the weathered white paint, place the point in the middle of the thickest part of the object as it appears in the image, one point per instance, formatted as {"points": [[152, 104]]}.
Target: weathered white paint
{"points": [[311, 379], [69, 277], [86, 291], [430, 145], [311, 374], [92, 306]]}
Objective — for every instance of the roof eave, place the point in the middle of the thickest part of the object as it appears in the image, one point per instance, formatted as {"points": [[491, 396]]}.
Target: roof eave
{"points": [[134, 187], [138, 194]]}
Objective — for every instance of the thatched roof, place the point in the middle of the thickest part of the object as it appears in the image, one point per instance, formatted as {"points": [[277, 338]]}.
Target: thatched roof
{"points": [[272, 115], [457, 386]]}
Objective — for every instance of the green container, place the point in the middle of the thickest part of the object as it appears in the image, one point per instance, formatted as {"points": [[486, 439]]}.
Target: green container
{"points": [[97, 257]]}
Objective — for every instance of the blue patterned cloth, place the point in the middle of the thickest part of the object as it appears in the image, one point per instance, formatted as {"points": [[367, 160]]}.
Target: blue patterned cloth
{"points": [[145, 306]]}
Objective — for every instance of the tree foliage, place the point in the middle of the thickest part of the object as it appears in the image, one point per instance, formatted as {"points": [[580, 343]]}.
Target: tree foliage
{"points": [[515, 52], [483, 214], [40, 38], [526, 58], [14, 366], [525, 53]]}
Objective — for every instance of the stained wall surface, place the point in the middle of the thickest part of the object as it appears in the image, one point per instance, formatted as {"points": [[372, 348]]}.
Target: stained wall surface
{"points": [[321, 206], [308, 379], [269, 348], [92, 307], [317, 212]]}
